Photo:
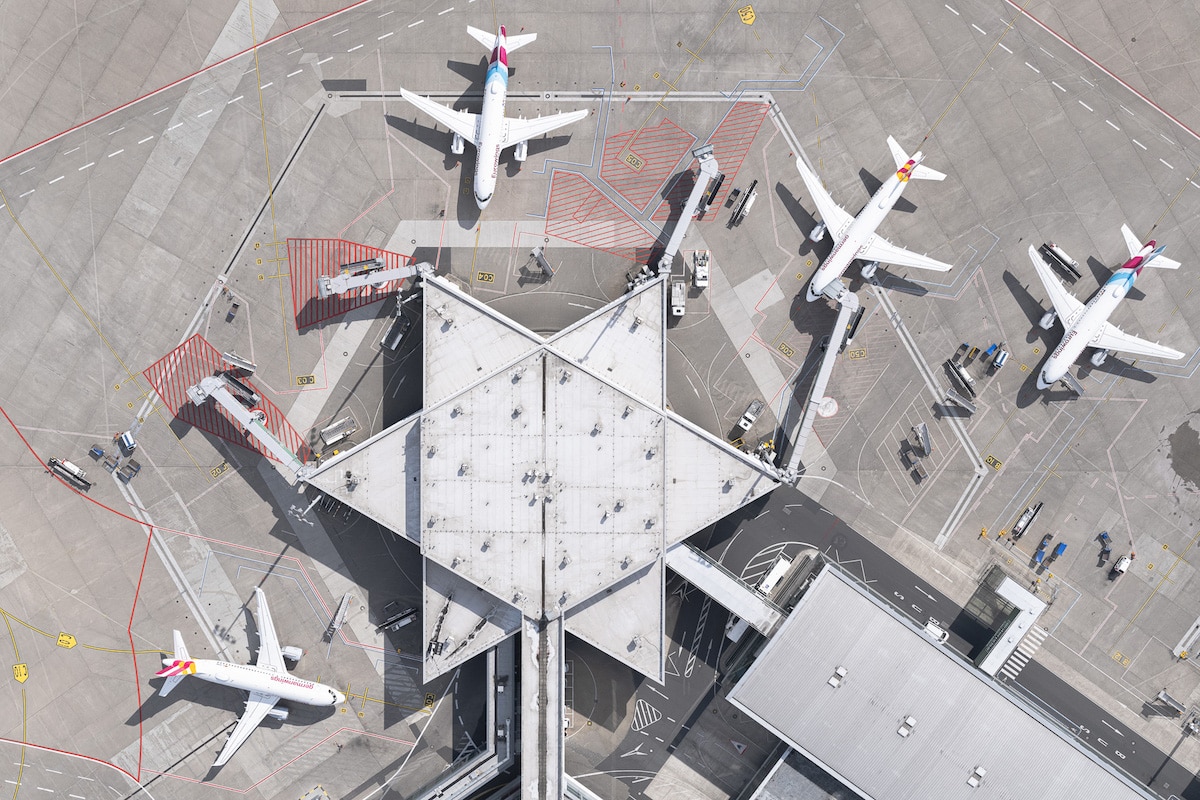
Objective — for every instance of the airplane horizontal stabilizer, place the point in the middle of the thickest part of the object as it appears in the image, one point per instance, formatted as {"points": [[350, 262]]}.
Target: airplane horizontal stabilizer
{"points": [[169, 684], [511, 43], [1132, 242], [924, 173]]}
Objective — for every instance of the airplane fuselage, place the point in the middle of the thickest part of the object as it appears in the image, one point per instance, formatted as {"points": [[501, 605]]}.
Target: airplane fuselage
{"points": [[250, 678], [862, 229], [490, 134], [1085, 328]]}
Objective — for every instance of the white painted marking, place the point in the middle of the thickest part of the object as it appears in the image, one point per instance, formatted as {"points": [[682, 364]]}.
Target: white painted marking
{"points": [[204, 91], [89, 780], [56, 772], [323, 60], [1115, 730], [1085, 80], [252, 69], [386, 35], [73, 149], [1058, 86], [1166, 163], [1112, 124], [1193, 183], [22, 172], [352, 49], [447, 11], [1167, 140], [116, 153], [3, 206], [384, 14], [234, 100], [1005, 49], [1047, 52], [1085, 105], [1127, 111], [927, 594], [581, 305], [268, 83], [293, 52], [297, 72], [981, 30], [1139, 144], [14, 783], [55, 180], [85, 166], [77, 797], [143, 141], [176, 125], [1032, 67], [156, 113], [44, 789], [415, 24], [339, 33], [948, 8], [118, 130], [204, 113]]}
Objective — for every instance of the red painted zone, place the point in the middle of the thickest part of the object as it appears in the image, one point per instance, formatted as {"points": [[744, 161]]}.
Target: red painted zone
{"points": [[195, 360], [310, 258], [731, 141], [658, 149], [580, 213]]}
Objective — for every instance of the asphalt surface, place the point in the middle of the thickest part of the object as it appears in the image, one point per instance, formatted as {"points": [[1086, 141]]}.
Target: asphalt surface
{"points": [[787, 521]]}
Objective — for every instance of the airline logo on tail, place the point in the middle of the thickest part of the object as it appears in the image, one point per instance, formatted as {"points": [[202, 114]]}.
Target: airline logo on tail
{"points": [[499, 53], [176, 666], [905, 172]]}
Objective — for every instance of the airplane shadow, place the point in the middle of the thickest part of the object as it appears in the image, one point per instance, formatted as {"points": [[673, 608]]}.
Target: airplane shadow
{"points": [[805, 222], [1031, 306]]}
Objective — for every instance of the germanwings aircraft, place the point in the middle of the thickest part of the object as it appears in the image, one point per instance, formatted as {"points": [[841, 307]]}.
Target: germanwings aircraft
{"points": [[490, 131], [1088, 326], [854, 237], [267, 681]]}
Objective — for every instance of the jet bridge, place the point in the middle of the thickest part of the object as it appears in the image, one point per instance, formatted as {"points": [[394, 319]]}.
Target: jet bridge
{"points": [[366, 273], [708, 172], [848, 308], [251, 420]]}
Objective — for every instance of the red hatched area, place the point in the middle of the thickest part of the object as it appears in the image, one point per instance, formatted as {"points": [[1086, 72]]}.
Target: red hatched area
{"points": [[637, 173], [731, 141], [195, 360], [579, 212], [309, 259]]}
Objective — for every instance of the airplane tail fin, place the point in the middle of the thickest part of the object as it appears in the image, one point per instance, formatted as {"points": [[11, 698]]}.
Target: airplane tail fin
{"points": [[920, 172], [1156, 259], [174, 669], [511, 43]]}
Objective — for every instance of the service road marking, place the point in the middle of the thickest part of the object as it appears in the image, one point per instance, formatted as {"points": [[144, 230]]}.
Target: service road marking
{"points": [[1164, 162], [1032, 67], [981, 30], [948, 8], [1139, 144], [116, 153], [415, 24], [386, 35], [352, 49], [1112, 124], [55, 180], [1085, 105], [297, 72], [1058, 86]]}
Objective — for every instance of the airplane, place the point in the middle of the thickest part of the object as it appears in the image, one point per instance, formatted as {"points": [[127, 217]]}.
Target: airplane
{"points": [[1087, 325], [490, 131], [854, 237], [267, 681]]}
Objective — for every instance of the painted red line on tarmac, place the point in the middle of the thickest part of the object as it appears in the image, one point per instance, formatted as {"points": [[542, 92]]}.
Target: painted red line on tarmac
{"points": [[1103, 69], [178, 81]]}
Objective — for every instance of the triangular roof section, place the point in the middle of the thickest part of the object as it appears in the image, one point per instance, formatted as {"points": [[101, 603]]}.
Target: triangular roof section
{"points": [[706, 479], [625, 341], [460, 620], [381, 483], [626, 621], [465, 340]]}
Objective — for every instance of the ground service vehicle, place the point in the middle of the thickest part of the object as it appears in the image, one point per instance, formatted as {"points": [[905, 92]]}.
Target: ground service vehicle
{"points": [[678, 299], [700, 269], [751, 414]]}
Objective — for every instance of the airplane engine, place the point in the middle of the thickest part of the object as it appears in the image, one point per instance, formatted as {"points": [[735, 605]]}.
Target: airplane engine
{"points": [[868, 269], [1047, 320], [817, 233], [292, 653], [521, 151], [457, 145], [278, 713], [1099, 357]]}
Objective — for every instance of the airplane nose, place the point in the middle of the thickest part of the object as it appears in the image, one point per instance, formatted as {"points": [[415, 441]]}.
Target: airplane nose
{"points": [[341, 698], [1042, 383], [482, 202]]}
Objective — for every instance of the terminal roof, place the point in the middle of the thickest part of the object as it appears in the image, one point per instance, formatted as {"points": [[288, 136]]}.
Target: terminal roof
{"points": [[547, 474]]}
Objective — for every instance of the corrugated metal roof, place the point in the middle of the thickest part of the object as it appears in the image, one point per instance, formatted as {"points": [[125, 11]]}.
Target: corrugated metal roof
{"points": [[892, 673]]}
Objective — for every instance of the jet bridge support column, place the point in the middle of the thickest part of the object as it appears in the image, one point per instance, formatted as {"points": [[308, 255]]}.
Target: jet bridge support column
{"points": [[848, 305], [214, 387], [708, 171]]}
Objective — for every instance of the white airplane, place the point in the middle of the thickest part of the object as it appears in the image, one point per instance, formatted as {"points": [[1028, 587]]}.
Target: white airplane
{"points": [[854, 237], [490, 131], [267, 681], [1088, 325]]}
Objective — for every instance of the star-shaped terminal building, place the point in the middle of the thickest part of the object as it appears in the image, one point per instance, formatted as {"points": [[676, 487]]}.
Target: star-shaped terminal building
{"points": [[544, 480]]}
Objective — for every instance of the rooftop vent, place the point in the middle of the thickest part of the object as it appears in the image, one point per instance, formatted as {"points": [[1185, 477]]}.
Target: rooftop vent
{"points": [[839, 674], [976, 777], [907, 726]]}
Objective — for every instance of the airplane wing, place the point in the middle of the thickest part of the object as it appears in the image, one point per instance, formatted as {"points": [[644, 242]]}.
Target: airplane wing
{"points": [[463, 123], [1113, 338], [269, 654], [1065, 304], [522, 130], [880, 249], [836, 218], [256, 711]]}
